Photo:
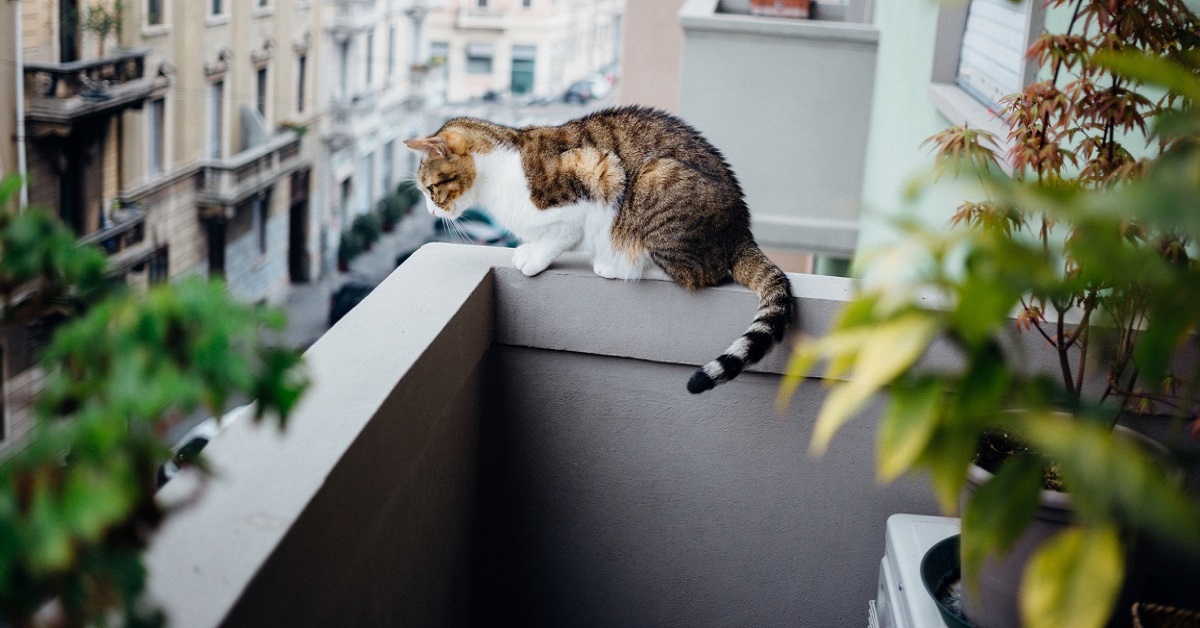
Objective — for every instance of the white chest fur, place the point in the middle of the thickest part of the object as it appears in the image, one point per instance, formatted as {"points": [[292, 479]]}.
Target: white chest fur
{"points": [[501, 188]]}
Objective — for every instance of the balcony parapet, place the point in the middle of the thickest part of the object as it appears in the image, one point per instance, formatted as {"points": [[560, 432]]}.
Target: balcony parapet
{"points": [[123, 238], [352, 16], [227, 182], [475, 18], [61, 93], [347, 115], [461, 392]]}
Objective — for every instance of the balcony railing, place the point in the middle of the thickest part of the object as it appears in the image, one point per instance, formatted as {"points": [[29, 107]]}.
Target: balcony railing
{"points": [[480, 446], [63, 92], [352, 16], [123, 237], [227, 182], [483, 19], [348, 115]]}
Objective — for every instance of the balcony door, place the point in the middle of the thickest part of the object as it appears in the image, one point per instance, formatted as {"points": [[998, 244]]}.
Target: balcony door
{"points": [[70, 23]]}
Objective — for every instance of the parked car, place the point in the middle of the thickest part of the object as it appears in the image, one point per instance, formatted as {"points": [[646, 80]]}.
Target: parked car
{"points": [[579, 92], [346, 297], [474, 227]]}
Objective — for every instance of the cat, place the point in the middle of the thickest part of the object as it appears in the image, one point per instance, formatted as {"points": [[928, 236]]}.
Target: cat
{"points": [[633, 186]]}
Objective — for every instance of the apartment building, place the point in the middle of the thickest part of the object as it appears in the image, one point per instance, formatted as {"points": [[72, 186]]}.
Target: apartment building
{"points": [[373, 87], [523, 48], [218, 159]]}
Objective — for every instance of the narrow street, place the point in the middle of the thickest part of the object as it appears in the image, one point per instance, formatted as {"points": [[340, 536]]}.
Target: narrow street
{"points": [[307, 304]]}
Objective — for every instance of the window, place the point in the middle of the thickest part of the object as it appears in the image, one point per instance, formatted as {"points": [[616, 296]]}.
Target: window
{"points": [[439, 51], [263, 3], [344, 69], [391, 52], [154, 12], [389, 166], [260, 92], [479, 58], [262, 211], [979, 57], [216, 117], [522, 69], [155, 120], [217, 7], [526, 3], [302, 75], [481, 3], [370, 56], [159, 265], [344, 207]]}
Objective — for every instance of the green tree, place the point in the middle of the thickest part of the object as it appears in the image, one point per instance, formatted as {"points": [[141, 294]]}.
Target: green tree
{"points": [[77, 504]]}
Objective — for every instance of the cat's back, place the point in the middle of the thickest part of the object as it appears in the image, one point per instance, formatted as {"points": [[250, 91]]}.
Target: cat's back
{"points": [[635, 134]]}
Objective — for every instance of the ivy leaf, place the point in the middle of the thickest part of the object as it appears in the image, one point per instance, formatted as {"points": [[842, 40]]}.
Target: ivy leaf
{"points": [[1073, 579]]}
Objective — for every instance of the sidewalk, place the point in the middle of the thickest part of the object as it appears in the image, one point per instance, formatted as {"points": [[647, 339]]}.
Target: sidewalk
{"points": [[307, 305]]}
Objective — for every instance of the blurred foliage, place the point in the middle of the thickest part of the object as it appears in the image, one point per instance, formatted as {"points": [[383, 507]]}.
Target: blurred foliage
{"points": [[77, 504], [1081, 231], [391, 210], [368, 227], [350, 246]]}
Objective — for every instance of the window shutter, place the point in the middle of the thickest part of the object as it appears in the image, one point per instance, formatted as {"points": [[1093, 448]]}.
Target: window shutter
{"points": [[991, 63]]}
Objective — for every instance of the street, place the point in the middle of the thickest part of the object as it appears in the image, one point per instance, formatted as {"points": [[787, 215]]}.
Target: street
{"points": [[307, 304]]}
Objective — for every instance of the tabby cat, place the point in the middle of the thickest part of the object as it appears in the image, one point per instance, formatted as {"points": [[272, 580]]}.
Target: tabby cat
{"points": [[631, 186]]}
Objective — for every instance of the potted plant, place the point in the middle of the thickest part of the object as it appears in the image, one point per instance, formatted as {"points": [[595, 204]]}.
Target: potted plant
{"points": [[77, 500], [391, 211], [410, 194], [1086, 247], [102, 19], [349, 247], [368, 228]]}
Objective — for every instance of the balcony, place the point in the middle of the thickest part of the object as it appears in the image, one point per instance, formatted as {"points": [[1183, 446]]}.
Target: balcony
{"points": [[483, 448], [350, 117], [227, 182], [475, 18], [62, 93], [352, 16], [122, 238], [804, 88]]}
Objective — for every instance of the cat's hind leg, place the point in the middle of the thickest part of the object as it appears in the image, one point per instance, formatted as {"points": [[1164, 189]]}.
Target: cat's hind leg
{"points": [[608, 260]]}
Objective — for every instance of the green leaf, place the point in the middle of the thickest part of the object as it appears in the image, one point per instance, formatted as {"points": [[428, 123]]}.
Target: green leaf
{"points": [[1152, 69], [908, 426], [1073, 579], [1112, 478], [950, 451], [1000, 511], [887, 351]]}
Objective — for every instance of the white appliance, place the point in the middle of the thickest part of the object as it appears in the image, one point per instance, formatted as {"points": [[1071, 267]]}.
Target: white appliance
{"points": [[902, 601]]}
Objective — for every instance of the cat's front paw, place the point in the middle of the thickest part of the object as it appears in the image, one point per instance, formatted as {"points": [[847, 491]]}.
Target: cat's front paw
{"points": [[530, 261]]}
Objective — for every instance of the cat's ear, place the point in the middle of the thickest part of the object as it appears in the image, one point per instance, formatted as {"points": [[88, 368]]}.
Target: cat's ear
{"points": [[434, 146]]}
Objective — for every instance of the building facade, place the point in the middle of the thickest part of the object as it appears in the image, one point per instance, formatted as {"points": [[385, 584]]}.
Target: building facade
{"points": [[373, 89], [526, 49], [220, 158]]}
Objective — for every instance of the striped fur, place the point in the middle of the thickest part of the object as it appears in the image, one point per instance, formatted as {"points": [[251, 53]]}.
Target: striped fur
{"points": [[631, 186]]}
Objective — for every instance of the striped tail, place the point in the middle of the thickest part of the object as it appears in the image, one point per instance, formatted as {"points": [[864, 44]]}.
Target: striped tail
{"points": [[752, 269]]}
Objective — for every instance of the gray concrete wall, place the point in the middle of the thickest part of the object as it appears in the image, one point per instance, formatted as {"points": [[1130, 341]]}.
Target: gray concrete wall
{"points": [[612, 497], [482, 446]]}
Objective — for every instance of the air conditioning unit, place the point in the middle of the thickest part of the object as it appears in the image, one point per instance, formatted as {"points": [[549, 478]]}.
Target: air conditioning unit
{"points": [[902, 601]]}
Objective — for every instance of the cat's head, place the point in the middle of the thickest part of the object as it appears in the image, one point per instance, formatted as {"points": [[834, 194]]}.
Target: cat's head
{"points": [[446, 172]]}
